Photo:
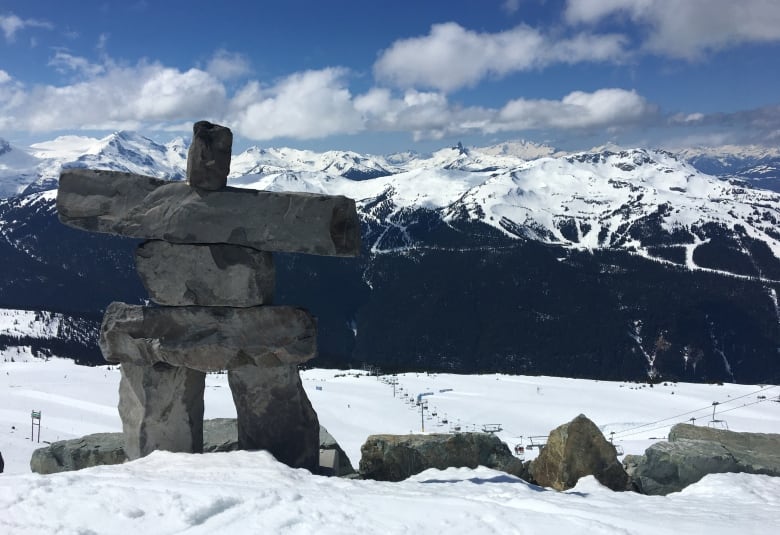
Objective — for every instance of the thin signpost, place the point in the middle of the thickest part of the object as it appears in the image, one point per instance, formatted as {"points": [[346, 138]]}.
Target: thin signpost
{"points": [[36, 420]]}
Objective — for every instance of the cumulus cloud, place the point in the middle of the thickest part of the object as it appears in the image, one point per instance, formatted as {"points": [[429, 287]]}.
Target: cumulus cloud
{"points": [[228, 65], [311, 104], [451, 57], [108, 96], [605, 108], [304, 105], [10, 24], [690, 28]]}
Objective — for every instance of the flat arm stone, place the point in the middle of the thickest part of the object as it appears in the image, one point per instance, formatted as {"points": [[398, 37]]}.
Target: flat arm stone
{"points": [[208, 338], [145, 207]]}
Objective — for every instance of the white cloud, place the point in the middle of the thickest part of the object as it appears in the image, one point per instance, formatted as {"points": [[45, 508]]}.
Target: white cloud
{"points": [[304, 105], [307, 105], [10, 24], [690, 28], [110, 96], [65, 63], [228, 65], [451, 57], [605, 108], [511, 6]]}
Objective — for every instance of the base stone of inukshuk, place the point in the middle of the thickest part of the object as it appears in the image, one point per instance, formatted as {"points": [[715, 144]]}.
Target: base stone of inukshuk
{"points": [[208, 264], [161, 407], [274, 413]]}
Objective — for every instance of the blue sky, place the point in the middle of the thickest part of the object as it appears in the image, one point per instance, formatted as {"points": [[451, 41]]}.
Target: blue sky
{"points": [[381, 76]]}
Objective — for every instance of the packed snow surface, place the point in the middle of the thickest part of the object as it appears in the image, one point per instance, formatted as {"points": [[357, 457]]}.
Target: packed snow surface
{"points": [[249, 492]]}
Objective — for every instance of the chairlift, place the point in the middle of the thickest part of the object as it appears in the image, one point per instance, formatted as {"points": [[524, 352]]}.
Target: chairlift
{"points": [[718, 424]]}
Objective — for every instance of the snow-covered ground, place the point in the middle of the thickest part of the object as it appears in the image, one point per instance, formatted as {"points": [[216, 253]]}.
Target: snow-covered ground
{"points": [[249, 492]]}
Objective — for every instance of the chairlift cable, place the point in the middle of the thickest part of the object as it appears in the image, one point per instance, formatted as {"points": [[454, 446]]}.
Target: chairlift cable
{"points": [[664, 426], [708, 408]]}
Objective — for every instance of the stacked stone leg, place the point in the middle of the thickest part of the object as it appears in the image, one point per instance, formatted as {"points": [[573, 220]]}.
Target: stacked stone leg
{"points": [[161, 407], [207, 264], [274, 413]]}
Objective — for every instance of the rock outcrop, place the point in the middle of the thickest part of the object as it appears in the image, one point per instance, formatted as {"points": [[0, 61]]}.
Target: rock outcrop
{"points": [[574, 450], [694, 451], [396, 457]]}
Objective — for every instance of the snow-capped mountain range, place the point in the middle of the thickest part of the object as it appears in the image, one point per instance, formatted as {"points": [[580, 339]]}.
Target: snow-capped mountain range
{"points": [[613, 263], [584, 200], [38, 167]]}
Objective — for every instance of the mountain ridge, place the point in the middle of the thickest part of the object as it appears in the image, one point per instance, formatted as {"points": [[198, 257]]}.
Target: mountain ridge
{"points": [[610, 264]]}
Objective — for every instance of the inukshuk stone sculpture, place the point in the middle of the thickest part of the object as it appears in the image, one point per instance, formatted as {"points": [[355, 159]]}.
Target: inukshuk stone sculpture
{"points": [[208, 264]]}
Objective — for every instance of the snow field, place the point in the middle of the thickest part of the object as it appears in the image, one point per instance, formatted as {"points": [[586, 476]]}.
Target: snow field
{"points": [[249, 492]]}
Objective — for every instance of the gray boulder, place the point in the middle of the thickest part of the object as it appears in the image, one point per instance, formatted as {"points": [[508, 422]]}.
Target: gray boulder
{"points": [[78, 453], [574, 450], [275, 414], [208, 160], [693, 452], [145, 207], [207, 275], [161, 407], [333, 459], [219, 435], [208, 338], [396, 457]]}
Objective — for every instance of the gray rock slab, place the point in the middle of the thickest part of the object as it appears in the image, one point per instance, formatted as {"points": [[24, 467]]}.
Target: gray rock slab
{"points": [[145, 207], [161, 408], [396, 457], [207, 338], [695, 451], [275, 414], [208, 275], [208, 160], [68, 455], [333, 459], [574, 450], [219, 435]]}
